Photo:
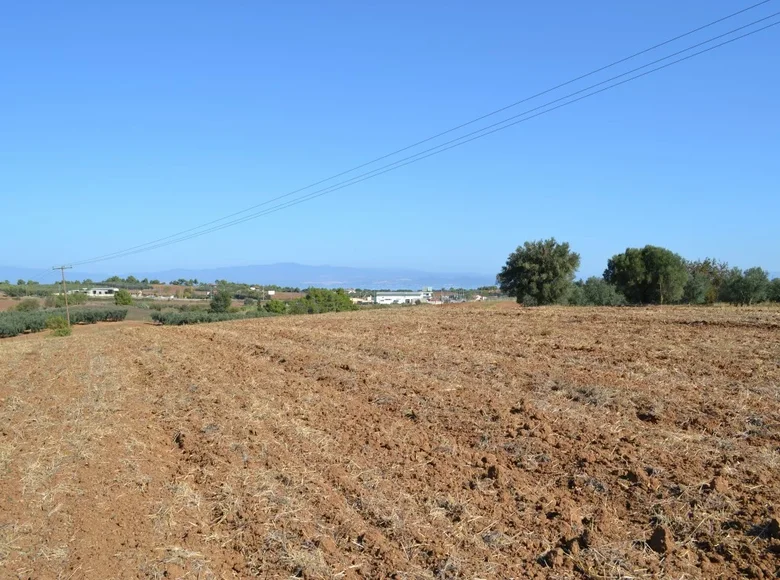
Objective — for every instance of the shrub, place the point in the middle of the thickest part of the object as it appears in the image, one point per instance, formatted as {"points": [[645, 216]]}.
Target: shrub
{"points": [[13, 323], [73, 300], [28, 305], [221, 300], [64, 331], [597, 292], [123, 298], [56, 323], [173, 318], [275, 307]]}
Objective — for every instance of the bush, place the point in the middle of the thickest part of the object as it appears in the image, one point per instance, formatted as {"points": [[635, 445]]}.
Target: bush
{"points": [[221, 300], [73, 300], [56, 323], [28, 305], [319, 300], [597, 292], [198, 317], [65, 331], [123, 298], [275, 307]]}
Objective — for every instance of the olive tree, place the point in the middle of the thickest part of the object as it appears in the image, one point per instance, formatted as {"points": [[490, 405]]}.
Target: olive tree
{"points": [[539, 272], [649, 275], [748, 287]]}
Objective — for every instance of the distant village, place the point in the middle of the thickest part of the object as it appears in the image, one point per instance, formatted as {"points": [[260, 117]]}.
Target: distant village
{"points": [[383, 297]]}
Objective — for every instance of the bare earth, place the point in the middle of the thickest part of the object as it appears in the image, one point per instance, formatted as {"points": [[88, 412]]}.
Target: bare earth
{"points": [[470, 441]]}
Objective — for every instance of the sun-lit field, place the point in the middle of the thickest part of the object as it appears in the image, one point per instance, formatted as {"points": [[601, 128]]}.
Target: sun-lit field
{"points": [[469, 441]]}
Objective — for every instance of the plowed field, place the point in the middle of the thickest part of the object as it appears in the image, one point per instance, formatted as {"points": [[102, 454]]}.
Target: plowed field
{"points": [[465, 441]]}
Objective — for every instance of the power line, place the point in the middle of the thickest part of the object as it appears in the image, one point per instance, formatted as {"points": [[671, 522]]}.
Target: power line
{"points": [[153, 243], [485, 131]]}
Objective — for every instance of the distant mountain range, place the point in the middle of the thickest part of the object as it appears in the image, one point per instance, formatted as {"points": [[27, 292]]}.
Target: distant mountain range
{"points": [[284, 274]]}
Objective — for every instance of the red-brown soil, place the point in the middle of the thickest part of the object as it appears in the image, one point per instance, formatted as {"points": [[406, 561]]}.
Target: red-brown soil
{"points": [[466, 441]]}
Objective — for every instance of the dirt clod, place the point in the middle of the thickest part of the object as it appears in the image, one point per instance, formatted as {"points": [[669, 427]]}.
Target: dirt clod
{"points": [[773, 528], [661, 540], [719, 484]]}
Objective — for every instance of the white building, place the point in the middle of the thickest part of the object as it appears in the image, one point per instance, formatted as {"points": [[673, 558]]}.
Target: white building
{"points": [[401, 297], [102, 292]]}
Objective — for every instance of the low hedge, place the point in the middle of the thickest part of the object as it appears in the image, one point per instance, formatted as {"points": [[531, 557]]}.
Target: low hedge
{"points": [[14, 323], [198, 317]]}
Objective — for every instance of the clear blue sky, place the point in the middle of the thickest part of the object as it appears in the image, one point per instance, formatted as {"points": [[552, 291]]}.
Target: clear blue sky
{"points": [[124, 122]]}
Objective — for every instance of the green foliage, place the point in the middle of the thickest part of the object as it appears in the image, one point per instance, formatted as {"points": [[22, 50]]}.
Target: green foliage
{"points": [[698, 289], [705, 277], [123, 298], [575, 296], [593, 292], [597, 292], [56, 322], [221, 300], [198, 317], [319, 300], [650, 275], [13, 323], [748, 287], [28, 305], [774, 290], [275, 307], [65, 331], [539, 272], [73, 300]]}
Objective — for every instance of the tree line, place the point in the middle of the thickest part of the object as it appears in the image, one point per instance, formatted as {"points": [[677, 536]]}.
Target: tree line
{"points": [[542, 272]]}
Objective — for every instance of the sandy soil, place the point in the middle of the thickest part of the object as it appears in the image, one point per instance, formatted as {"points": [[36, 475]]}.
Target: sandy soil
{"points": [[467, 441]]}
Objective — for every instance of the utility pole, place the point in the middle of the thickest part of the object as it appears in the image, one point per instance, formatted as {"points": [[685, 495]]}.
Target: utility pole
{"points": [[64, 289]]}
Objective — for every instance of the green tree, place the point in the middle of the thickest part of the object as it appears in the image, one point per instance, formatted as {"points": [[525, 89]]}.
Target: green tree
{"points": [[649, 275], [698, 288], [705, 278], [154, 282], [131, 280], [123, 298], [774, 290], [20, 282], [744, 288], [274, 307], [539, 272], [221, 300]]}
